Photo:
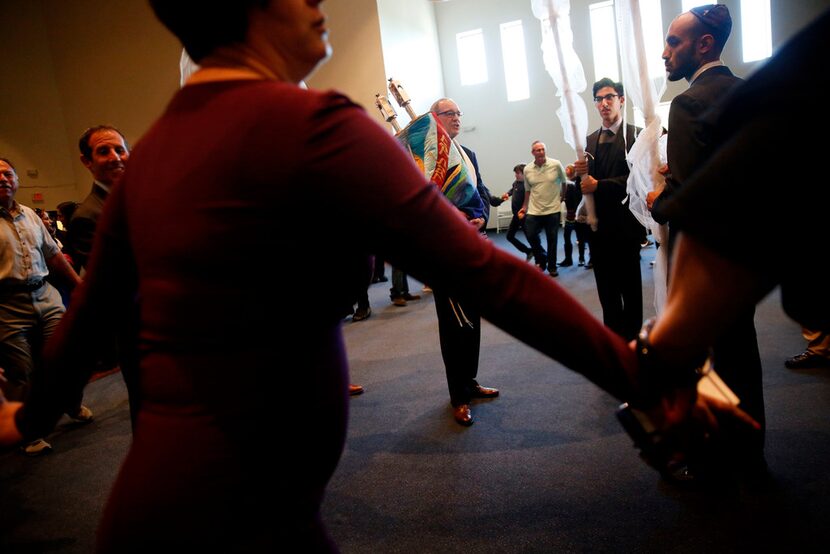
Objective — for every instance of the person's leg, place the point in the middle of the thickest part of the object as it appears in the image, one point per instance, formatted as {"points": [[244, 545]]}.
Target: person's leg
{"points": [[568, 247], [379, 273], [515, 225], [631, 291], [453, 330], [551, 225], [398, 280], [607, 289], [817, 354], [363, 310], [738, 362], [48, 304], [533, 227], [18, 321], [581, 240]]}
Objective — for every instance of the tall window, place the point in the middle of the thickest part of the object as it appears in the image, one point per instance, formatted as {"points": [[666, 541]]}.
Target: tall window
{"points": [[689, 4], [472, 61], [604, 40], [652, 14], [515, 61], [756, 30]]}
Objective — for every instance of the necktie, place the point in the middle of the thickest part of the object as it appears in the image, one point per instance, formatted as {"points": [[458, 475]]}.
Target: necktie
{"points": [[605, 136]]}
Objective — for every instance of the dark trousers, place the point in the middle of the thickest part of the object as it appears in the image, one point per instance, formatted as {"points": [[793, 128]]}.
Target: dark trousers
{"points": [[379, 269], [534, 224], [738, 362], [400, 284], [581, 231], [515, 225], [363, 299], [619, 286], [459, 331]]}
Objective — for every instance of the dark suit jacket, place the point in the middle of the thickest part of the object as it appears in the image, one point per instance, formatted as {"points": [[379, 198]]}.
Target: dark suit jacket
{"points": [[615, 221], [487, 199], [81, 229], [762, 124], [689, 134]]}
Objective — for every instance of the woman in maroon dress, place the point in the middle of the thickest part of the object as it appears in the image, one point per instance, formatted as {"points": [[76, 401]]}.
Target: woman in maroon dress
{"points": [[185, 243]]}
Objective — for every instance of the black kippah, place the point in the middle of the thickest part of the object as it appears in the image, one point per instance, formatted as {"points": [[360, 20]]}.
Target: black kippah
{"points": [[716, 18]]}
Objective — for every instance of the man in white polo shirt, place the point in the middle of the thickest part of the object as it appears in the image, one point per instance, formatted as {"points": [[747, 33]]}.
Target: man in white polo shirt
{"points": [[542, 207]]}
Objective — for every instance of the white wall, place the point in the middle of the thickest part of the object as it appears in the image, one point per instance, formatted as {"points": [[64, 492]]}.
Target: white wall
{"points": [[32, 122], [67, 66], [410, 52], [356, 67]]}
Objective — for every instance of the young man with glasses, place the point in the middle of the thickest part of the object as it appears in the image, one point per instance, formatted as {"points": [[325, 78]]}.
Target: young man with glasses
{"points": [[615, 245]]}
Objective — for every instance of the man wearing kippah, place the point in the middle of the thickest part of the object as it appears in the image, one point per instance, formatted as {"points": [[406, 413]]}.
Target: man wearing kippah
{"points": [[694, 43]]}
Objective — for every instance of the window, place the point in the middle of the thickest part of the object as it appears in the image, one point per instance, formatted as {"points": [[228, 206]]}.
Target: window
{"points": [[515, 61], [689, 4], [651, 12], [604, 40], [472, 61], [756, 30]]}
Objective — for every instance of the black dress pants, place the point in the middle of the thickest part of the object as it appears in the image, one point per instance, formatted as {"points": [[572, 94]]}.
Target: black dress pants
{"points": [[459, 331]]}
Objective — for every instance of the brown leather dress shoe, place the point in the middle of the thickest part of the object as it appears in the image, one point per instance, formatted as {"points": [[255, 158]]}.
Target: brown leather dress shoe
{"points": [[485, 392], [354, 390], [463, 415]]}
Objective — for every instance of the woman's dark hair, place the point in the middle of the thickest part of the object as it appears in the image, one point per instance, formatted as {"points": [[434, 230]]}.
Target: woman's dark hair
{"points": [[204, 26]]}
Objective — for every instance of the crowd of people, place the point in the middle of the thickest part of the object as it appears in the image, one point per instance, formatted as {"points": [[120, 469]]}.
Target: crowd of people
{"points": [[168, 281]]}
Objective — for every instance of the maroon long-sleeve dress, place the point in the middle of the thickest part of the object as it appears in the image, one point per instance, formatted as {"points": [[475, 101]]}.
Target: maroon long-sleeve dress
{"points": [[237, 346]]}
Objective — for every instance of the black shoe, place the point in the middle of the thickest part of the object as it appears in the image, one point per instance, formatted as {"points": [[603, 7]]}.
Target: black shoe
{"points": [[410, 297], [381, 279], [589, 265], [807, 360], [362, 313], [581, 262], [554, 273], [566, 263]]}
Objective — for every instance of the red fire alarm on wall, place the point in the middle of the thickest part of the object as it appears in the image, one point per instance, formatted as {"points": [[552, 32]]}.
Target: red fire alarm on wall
{"points": [[37, 197]]}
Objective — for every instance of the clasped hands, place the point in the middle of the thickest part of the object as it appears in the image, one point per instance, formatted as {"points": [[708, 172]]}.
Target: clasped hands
{"points": [[696, 424]]}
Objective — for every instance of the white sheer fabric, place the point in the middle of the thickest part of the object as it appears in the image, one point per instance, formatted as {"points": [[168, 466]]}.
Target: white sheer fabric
{"points": [[649, 151], [565, 68]]}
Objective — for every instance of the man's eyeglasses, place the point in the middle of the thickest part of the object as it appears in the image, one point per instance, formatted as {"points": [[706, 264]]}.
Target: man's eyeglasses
{"points": [[450, 113], [609, 97]]}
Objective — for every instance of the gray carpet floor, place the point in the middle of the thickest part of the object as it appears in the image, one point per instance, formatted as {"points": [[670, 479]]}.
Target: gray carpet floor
{"points": [[545, 467]]}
